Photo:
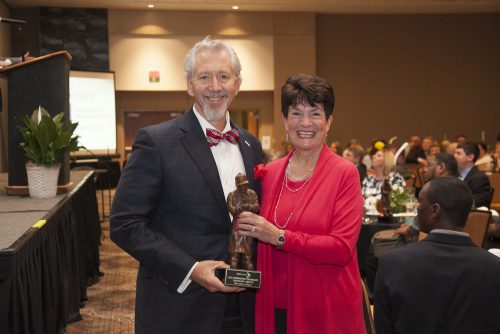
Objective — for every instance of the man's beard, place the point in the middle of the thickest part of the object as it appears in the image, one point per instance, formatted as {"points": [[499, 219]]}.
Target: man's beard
{"points": [[215, 113]]}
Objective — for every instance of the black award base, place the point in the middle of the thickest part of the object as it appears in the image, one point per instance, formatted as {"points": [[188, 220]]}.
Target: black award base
{"points": [[242, 278]]}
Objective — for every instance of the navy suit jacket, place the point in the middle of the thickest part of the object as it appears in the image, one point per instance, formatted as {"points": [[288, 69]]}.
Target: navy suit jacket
{"points": [[169, 211], [442, 284], [480, 186]]}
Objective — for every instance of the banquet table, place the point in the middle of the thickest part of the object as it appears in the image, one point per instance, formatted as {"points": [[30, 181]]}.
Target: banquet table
{"points": [[49, 255]]}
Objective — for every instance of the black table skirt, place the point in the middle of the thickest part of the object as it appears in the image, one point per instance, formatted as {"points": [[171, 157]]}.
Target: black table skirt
{"points": [[44, 275]]}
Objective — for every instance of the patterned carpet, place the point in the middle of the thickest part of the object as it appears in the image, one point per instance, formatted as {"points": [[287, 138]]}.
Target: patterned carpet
{"points": [[110, 305]]}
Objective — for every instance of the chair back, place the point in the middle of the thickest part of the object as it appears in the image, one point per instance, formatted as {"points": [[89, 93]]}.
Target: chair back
{"points": [[495, 184], [367, 311], [476, 225]]}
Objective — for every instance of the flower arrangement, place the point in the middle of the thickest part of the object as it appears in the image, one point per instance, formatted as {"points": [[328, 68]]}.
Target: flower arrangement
{"points": [[399, 197]]}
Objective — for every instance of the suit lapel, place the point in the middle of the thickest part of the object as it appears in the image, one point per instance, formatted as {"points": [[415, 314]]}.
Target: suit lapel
{"points": [[469, 175], [196, 145]]}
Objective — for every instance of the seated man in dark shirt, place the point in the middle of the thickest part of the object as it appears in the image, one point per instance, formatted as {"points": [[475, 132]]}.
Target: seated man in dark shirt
{"points": [[444, 283]]}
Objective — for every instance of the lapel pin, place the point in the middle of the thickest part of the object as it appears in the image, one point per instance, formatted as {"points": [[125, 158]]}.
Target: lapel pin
{"points": [[247, 143]]}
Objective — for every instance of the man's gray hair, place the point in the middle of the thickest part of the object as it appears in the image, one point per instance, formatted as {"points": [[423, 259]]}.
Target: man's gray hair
{"points": [[209, 44]]}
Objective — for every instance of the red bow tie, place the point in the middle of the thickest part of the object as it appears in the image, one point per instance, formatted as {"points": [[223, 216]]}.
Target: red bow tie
{"points": [[214, 136]]}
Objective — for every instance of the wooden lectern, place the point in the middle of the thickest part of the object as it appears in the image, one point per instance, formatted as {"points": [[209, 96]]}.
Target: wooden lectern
{"points": [[43, 81]]}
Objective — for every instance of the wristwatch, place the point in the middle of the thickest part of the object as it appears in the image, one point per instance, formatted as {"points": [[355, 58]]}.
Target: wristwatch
{"points": [[281, 239]]}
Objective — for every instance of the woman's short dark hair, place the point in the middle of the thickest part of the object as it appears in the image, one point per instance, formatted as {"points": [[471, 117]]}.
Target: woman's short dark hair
{"points": [[308, 89]]}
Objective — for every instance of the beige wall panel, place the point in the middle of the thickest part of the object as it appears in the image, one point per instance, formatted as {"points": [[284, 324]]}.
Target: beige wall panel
{"points": [[396, 75], [133, 57]]}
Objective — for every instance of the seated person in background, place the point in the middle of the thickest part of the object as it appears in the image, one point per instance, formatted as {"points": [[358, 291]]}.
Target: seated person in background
{"points": [[451, 148], [355, 153], [466, 155], [439, 165], [401, 167], [434, 149], [426, 146], [484, 161], [461, 139], [444, 145], [382, 162], [444, 283], [415, 151], [336, 147]]}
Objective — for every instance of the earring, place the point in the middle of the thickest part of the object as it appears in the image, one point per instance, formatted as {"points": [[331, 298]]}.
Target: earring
{"points": [[286, 138]]}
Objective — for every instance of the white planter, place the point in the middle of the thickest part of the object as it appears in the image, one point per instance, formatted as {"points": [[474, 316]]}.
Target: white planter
{"points": [[42, 180]]}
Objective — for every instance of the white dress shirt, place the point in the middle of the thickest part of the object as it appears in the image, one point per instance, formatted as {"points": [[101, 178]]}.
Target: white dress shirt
{"points": [[229, 163]]}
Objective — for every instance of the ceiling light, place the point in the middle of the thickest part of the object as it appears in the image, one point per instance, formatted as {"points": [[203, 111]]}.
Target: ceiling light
{"points": [[151, 6], [235, 7]]}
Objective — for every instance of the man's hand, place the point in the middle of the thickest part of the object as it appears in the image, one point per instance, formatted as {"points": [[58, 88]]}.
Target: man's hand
{"points": [[402, 230], [204, 275]]}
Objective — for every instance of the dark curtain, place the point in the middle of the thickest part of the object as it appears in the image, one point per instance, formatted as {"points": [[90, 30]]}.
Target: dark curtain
{"points": [[44, 279]]}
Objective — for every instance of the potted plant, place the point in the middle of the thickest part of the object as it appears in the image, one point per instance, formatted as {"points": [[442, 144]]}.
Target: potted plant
{"points": [[46, 140]]}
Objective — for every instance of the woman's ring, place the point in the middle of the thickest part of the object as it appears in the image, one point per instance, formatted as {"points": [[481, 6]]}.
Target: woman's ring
{"points": [[253, 229]]}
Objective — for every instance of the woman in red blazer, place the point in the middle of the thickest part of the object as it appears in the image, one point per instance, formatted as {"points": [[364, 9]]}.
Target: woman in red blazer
{"points": [[308, 224]]}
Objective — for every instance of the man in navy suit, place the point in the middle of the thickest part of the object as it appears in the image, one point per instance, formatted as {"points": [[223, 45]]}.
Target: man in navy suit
{"points": [[444, 283], [170, 211], [466, 155]]}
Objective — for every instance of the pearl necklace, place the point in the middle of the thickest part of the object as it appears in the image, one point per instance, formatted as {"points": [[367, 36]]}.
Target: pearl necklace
{"points": [[285, 184]]}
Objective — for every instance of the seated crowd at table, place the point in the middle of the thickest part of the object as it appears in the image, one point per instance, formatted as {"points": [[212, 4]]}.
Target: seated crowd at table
{"points": [[462, 168]]}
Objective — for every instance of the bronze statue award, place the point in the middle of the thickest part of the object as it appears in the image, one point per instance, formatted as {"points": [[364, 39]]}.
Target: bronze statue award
{"points": [[240, 248]]}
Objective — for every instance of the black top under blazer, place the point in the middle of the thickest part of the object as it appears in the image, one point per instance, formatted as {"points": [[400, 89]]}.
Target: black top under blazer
{"points": [[168, 212]]}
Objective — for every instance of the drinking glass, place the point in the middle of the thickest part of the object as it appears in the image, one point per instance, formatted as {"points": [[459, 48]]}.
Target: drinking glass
{"points": [[411, 205]]}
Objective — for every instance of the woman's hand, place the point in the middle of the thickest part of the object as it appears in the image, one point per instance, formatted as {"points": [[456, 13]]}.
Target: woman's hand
{"points": [[255, 226]]}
